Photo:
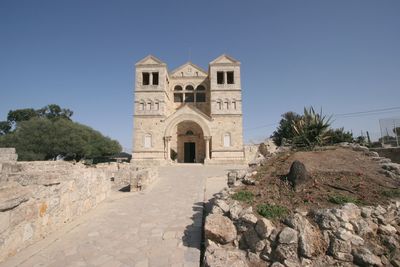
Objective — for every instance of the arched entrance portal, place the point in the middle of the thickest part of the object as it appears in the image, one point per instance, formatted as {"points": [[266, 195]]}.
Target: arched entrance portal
{"points": [[188, 142], [187, 139]]}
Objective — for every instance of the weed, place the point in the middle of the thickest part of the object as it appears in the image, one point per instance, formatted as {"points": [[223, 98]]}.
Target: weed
{"points": [[271, 211], [340, 199], [393, 193], [244, 196]]}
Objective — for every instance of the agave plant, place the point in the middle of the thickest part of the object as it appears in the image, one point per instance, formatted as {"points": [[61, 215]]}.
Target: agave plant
{"points": [[311, 129]]}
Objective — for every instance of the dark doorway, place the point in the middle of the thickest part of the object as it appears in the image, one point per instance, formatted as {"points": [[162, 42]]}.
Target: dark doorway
{"points": [[190, 152]]}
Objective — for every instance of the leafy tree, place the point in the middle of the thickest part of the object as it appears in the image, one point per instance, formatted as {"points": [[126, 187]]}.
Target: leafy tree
{"points": [[5, 127], [54, 111], [339, 135], [15, 116], [285, 130], [51, 112], [41, 138]]}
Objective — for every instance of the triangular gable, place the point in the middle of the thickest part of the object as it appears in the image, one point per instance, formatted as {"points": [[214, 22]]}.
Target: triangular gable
{"points": [[188, 70], [150, 60], [224, 59], [189, 109]]}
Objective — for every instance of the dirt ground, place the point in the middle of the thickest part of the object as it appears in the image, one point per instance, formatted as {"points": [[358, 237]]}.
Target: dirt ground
{"points": [[335, 174]]}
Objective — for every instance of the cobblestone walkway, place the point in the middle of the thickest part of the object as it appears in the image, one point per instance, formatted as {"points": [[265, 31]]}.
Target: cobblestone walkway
{"points": [[158, 227]]}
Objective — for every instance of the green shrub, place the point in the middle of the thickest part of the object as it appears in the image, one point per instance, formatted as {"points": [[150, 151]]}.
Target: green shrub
{"points": [[271, 211], [341, 199], [311, 129], [244, 196], [339, 135], [393, 193]]}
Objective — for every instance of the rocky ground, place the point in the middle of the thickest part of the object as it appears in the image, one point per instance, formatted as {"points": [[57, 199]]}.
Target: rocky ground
{"points": [[306, 226]]}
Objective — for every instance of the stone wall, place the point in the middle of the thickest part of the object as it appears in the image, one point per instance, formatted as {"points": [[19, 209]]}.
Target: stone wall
{"points": [[391, 153], [344, 236], [37, 198]]}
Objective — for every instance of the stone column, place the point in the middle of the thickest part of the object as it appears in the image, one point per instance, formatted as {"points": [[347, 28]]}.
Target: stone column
{"points": [[207, 139], [168, 145]]}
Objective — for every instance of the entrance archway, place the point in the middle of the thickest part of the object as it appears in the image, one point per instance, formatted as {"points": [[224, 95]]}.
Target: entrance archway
{"points": [[187, 139], [188, 142]]}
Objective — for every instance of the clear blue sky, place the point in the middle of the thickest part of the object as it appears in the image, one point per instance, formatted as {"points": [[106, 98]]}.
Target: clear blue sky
{"points": [[343, 56]]}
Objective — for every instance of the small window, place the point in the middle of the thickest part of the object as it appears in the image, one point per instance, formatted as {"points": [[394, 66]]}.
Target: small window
{"points": [[227, 140], [200, 97], [155, 78], [178, 98], [189, 98], [226, 105], [147, 141], [178, 88], [219, 104], [189, 88], [234, 104], [146, 78], [141, 106], [156, 105], [200, 88], [220, 77], [230, 77], [148, 105], [189, 132]]}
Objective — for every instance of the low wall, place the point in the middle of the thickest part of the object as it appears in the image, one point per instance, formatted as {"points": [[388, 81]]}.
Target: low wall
{"points": [[43, 197], [36, 198], [391, 153]]}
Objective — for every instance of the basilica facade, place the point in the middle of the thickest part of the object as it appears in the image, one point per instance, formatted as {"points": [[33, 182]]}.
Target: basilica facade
{"points": [[187, 115]]}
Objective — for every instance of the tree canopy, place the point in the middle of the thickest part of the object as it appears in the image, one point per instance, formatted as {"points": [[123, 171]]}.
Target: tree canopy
{"points": [[308, 130], [49, 132]]}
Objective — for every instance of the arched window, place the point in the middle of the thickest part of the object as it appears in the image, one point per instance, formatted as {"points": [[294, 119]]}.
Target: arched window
{"points": [[178, 88], [227, 140], [219, 104], [141, 105], [147, 141], [200, 88], [189, 88], [234, 104], [149, 104], [156, 105], [226, 104]]}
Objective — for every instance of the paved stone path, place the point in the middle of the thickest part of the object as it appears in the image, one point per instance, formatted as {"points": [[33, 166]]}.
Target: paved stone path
{"points": [[157, 227]]}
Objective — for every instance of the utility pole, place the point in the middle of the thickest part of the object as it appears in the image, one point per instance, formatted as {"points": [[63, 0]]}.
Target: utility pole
{"points": [[395, 133]]}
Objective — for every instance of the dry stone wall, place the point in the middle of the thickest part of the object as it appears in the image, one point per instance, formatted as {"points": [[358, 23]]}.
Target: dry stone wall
{"points": [[344, 236], [37, 198]]}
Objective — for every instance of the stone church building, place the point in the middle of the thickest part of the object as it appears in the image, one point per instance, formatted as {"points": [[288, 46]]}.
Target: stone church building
{"points": [[188, 115]]}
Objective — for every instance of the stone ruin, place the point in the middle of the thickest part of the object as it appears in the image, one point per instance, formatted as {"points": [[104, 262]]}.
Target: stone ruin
{"points": [[39, 197]]}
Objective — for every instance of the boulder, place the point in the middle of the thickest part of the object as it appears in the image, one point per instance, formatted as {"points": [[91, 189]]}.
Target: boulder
{"points": [[285, 252], [298, 174], [264, 228], [346, 235], [235, 210], [326, 220], [340, 250], [393, 167], [288, 236], [219, 228], [364, 228], [222, 205], [311, 242], [364, 257], [249, 218], [253, 241], [387, 229], [222, 257]]}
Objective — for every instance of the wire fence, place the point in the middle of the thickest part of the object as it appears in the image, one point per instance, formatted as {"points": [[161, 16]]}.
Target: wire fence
{"points": [[390, 132]]}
